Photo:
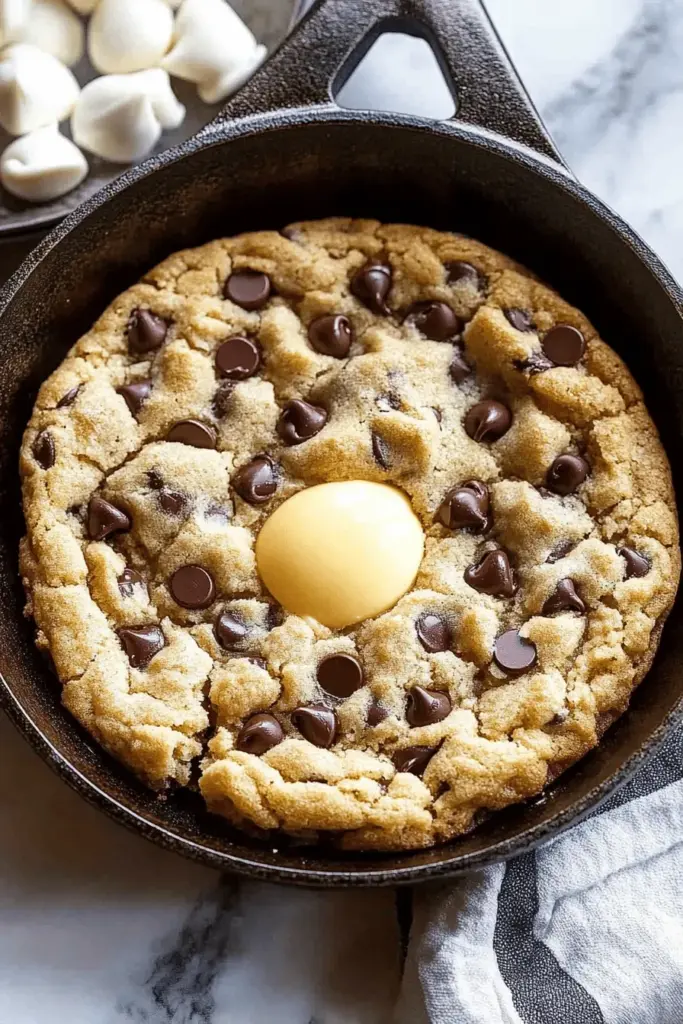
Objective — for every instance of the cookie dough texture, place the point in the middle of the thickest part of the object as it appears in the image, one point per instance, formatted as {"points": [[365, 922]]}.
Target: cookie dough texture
{"points": [[178, 717]]}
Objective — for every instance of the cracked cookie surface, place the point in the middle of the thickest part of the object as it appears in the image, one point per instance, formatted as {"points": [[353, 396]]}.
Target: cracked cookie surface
{"points": [[238, 373]]}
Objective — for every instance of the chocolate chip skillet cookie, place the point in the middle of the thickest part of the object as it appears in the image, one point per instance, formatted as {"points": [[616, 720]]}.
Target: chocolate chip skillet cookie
{"points": [[361, 526]]}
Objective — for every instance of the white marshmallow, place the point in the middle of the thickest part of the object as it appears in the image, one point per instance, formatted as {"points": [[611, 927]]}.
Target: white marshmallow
{"points": [[13, 19], [213, 48], [42, 165], [55, 28], [35, 89], [129, 35], [120, 117], [84, 6]]}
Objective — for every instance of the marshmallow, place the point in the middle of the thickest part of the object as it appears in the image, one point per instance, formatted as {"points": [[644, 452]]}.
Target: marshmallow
{"points": [[13, 19], [84, 6], [35, 89], [120, 117], [129, 35], [42, 165], [213, 48], [55, 28]]}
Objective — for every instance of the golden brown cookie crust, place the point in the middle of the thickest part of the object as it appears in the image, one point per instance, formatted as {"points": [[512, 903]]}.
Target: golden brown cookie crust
{"points": [[188, 702]]}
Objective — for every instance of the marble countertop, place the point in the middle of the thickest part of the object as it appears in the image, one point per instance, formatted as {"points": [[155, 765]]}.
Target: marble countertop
{"points": [[100, 927]]}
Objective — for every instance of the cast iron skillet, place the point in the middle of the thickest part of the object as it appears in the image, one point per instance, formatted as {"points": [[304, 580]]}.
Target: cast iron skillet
{"points": [[281, 151]]}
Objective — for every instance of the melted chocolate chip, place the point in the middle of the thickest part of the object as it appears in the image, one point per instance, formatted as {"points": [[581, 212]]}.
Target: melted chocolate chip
{"points": [[300, 421], [636, 565], [536, 363], [331, 335], [44, 450], [256, 482], [436, 320], [492, 575], [141, 643], [433, 632], [513, 654], [371, 285], [259, 734], [229, 630], [135, 395], [105, 518], [413, 759], [459, 370], [566, 473], [340, 675], [488, 420], [459, 271], [193, 432], [146, 331], [69, 398], [381, 451], [466, 507], [375, 713], [520, 319], [564, 345], [172, 502], [221, 400], [192, 587], [249, 289], [564, 599], [560, 550], [238, 358], [426, 707], [128, 581], [317, 723]]}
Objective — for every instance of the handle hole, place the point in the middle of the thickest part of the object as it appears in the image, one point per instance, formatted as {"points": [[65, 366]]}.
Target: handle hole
{"points": [[397, 68]]}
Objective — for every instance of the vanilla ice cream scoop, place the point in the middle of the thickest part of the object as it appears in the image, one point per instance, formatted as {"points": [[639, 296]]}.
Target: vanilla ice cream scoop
{"points": [[13, 19], [35, 89], [55, 28], [42, 165], [341, 552], [213, 48], [129, 35], [120, 117]]}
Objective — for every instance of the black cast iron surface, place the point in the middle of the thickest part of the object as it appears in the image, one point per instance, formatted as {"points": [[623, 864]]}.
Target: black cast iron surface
{"points": [[253, 170]]}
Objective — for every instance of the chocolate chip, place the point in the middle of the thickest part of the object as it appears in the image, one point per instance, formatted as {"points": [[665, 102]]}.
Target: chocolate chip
{"points": [[69, 398], [433, 632], [371, 285], [466, 507], [520, 319], [331, 335], [636, 565], [488, 420], [340, 675], [146, 331], [459, 370], [256, 482], [194, 433], [172, 502], [128, 581], [436, 320], [375, 713], [426, 707], [458, 271], [566, 473], [155, 479], [238, 358], [229, 630], [564, 599], [317, 723], [381, 451], [493, 575], [413, 759], [259, 734], [249, 289], [141, 643], [300, 421], [105, 518], [44, 450], [221, 400], [192, 587], [560, 550], [274, 617], [560, 718], [513, 654], [536, 363], [564, 345], [135, 395]]}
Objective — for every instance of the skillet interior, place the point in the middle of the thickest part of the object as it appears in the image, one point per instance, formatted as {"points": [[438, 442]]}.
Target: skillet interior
{"points": [[396, 169]]}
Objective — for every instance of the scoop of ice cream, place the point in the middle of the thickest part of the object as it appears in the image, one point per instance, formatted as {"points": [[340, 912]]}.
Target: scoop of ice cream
{"points": [[35, 89], [42, 165], [120, 117], [129, 35], [55, 28]]}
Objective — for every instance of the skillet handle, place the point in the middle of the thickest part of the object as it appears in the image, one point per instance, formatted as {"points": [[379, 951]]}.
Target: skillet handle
{"points": [[332, 39]]}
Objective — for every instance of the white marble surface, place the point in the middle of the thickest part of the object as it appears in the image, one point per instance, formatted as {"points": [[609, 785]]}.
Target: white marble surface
{"points": [[99, 927]]}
